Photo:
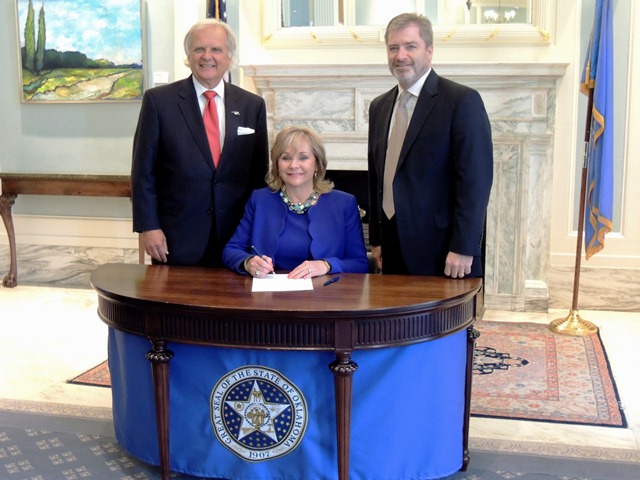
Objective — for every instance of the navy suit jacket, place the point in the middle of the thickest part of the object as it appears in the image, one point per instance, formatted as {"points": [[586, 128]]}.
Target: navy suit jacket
{"points": [[334, 226], [442, 185], [175, 185]]}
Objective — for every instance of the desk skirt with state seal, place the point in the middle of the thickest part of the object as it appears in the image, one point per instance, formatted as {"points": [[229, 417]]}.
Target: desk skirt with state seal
{"points": [[271, 414]]}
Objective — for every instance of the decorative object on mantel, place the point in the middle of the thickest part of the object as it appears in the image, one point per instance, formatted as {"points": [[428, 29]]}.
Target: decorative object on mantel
{"points": [[500, 16]]}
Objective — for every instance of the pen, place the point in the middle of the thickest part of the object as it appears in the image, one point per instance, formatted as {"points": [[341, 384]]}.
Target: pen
{"points": [[330, 281], [255, 250]]}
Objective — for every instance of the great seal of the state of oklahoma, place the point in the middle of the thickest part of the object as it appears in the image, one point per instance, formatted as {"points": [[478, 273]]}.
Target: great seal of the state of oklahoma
{"points": [[258, 413]]}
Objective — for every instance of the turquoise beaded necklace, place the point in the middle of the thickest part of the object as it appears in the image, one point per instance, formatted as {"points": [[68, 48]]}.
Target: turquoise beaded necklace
{"points": [[299, 208]]}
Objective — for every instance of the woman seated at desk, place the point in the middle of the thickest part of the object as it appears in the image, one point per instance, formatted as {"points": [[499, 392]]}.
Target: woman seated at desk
{"points": [[299, 223], [408, 402]]}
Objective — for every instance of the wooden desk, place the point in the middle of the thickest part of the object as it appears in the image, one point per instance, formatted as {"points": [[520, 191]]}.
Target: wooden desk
{"points": [[216, 307], [14, 184]]}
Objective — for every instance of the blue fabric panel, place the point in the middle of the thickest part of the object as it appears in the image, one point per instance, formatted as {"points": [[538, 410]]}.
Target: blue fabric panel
{"points": [[406, 423]]}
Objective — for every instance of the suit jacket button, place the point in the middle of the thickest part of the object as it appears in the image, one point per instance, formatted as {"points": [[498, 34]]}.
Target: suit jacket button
{"points": [[210, 211]]}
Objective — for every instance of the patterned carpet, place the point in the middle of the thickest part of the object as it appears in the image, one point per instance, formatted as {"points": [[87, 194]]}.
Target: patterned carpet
{"points": [[97, 376], [524, 371], [33, 454], [44, 447]]}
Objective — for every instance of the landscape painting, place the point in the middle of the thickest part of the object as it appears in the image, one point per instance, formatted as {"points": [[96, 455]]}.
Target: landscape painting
{"points": [[80, 50]]}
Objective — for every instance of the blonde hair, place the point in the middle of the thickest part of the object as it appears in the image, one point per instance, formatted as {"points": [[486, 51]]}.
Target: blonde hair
{"points": [[293, 136]]}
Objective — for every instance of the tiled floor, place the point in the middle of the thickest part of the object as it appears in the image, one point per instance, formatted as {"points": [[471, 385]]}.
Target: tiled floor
{"points": [[52, 334]]}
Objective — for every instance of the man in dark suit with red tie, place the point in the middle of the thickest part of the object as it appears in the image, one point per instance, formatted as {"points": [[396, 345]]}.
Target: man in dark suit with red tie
{"points": [[428, 217], [187, 196]]}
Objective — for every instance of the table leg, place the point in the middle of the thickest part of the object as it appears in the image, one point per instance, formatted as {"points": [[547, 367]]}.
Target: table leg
{"points": [[343, 368], [472, 334], [6, 202], [159, 357]]}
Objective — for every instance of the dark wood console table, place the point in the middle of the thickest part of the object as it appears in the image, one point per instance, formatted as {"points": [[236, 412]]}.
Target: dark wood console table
{"points": [[215, 307], [14, 184]]}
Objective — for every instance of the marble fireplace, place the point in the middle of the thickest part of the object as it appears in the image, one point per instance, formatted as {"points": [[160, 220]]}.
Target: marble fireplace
{"points": [[520, 100]]}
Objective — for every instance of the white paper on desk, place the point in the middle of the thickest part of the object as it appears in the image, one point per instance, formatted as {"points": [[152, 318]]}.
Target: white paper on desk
{"points": [[280, 283]]}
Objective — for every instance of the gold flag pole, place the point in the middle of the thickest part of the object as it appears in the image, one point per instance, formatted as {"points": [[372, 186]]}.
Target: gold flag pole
{"points": [[573, 324]]}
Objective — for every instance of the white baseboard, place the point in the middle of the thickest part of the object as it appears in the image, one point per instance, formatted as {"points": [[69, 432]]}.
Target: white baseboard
{"points": [[72, 231], [599, 260]]}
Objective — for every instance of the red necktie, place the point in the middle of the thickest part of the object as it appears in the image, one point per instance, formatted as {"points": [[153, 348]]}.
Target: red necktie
{"points": [[212, 126]]}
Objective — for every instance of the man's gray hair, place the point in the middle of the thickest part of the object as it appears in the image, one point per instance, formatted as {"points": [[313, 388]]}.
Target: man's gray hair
{"points": [[211, 23], [404, 20]]}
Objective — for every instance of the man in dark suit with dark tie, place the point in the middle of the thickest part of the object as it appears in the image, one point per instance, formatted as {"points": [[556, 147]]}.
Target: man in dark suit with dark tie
{"points": [[187, 199], [428, 210]]}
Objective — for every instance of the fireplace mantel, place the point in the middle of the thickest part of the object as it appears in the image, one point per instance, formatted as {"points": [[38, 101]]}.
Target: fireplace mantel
{"points": [[520, 99]]}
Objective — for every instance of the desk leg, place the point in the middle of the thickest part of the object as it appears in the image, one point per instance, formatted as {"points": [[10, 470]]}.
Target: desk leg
{"points": [[159, 357], [472, 334], [6, 202], [343, 368]]}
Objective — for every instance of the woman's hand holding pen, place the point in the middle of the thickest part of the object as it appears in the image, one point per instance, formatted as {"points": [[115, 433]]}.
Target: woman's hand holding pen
{"points": [[258, 266]]}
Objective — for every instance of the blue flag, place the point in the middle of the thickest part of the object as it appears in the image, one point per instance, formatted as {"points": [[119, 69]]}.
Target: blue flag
{"points": [[598, 75], [218, 9]]}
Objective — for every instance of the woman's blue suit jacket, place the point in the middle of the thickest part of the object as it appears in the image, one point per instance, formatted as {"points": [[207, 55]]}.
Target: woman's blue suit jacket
{"points": [[334, 226]]}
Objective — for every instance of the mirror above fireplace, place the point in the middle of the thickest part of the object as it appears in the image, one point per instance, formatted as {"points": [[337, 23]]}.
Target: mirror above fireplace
{"points": [[326, 23]]}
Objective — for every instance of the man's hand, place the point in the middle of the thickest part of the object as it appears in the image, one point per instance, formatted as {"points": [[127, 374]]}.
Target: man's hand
{"points": [[376, 256], [155, 244], [457, 266]]}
